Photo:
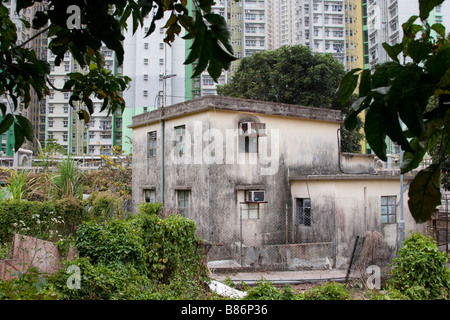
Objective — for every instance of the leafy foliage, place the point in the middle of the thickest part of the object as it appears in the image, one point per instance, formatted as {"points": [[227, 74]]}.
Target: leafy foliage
{"points": [[100, 22], [104, 206], [29, 286], [165, 251], [264, 290], [420, 270], [68, 181], [171, 246], [328, 291], [114, 242], [103, 282], [290, 74], [398, 92]]}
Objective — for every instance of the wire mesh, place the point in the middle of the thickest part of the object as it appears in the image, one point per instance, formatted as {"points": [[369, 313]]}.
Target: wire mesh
{"points": [[257, 236]]}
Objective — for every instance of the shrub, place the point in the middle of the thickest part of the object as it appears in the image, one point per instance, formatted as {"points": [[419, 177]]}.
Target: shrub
{"points": [[172, 247], [102, 282], [165, 250], [28, 286], [328, 291], [390, 294], [47, 220], [420, 269], [103, 206], [264, 290], [112, 243], [149, 208]]}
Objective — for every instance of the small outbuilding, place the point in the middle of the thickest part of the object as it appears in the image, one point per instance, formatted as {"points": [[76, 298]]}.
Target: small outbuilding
{"points": [[266, 182]]}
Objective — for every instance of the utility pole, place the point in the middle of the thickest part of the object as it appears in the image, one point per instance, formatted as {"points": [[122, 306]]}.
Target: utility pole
{"points": [[401, 224], [163, 78]]}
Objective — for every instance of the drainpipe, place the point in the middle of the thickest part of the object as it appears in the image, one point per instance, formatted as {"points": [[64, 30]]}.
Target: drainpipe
{"points": [[162, 160], [401, 224]]}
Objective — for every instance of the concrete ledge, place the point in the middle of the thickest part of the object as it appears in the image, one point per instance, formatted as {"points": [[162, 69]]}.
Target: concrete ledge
{"points": [[238, 105]]}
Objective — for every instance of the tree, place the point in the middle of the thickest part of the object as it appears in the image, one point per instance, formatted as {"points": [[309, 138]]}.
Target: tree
{"points": [[81, 28], [294, 75], [397, 93], [290, 74]]}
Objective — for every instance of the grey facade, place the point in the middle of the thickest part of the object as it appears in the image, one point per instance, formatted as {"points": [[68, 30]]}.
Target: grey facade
{"points": [[214, 168]]}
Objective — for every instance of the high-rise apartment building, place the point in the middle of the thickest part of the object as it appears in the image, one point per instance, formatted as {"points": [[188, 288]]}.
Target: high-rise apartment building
{"points": [[353, 35], [321, 26], [36, 109], [326, 26], [384, 24], [157, 73], [247, 22], [281, 23], [63, 124]]}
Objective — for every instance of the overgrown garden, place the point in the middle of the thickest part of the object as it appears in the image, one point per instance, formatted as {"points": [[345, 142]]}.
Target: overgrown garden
{"points": [[144, 256]]}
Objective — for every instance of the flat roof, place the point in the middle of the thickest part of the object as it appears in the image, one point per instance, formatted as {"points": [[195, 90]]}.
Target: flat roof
{"points": [[235, 105], [342, 177]]}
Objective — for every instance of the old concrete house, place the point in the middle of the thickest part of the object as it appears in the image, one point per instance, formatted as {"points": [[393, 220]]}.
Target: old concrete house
{"points": [[265, 182]]}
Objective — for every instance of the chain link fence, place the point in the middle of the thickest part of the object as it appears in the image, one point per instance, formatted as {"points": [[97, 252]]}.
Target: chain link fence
{"points": [[257, 236]]}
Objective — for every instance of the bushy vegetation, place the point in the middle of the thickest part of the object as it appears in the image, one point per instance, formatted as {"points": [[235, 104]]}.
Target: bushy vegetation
{"points": [[420, 270], [49, 220], [120, 257], [143, 256]]}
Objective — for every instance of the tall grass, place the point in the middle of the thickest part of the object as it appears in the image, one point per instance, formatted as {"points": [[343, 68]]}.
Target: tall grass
{"points": [[16, 184], [69, 180]]}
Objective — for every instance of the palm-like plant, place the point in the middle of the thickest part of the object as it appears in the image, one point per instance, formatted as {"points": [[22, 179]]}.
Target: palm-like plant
{"points": [[68, 182], [16, 184]]}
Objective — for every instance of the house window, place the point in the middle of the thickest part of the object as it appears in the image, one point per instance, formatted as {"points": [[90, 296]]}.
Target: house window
{"points": [[180, 132], [249, 211], [151, 143], [248, 208], [303, 211], [388, 209], [183, 202], [150, 195], [249, 132]]}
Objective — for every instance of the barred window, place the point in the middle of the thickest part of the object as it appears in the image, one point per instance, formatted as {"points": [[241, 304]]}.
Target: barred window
{"points": [[180, 132], [151, 142], [303, 211], [183, 202], [150, 195], [388, 209], [249, 132]]}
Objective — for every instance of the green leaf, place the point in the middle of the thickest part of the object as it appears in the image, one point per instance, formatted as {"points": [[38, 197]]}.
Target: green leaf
{"points": [[365, 83], [374, 129], [18, 136], [393, 51], [425, 7], [419, 50], [348, 85], [26, 126], [424, 193], [393, 128], [6, 123], [439, 28], [437, 65], [351, 121], [205, 5], [412, 160]]}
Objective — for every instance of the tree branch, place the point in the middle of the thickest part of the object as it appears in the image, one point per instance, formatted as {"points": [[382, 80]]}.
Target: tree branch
{"points": [[24, 43]]}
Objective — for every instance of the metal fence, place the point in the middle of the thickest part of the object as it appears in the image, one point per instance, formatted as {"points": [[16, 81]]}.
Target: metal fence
{"points": [[256, 236]]}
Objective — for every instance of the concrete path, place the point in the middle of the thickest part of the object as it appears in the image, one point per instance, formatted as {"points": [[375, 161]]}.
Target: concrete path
{"points": [[282, 276]]}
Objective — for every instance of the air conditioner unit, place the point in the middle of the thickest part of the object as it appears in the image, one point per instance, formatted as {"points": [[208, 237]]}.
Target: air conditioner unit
{"points": [[255, 196]]}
